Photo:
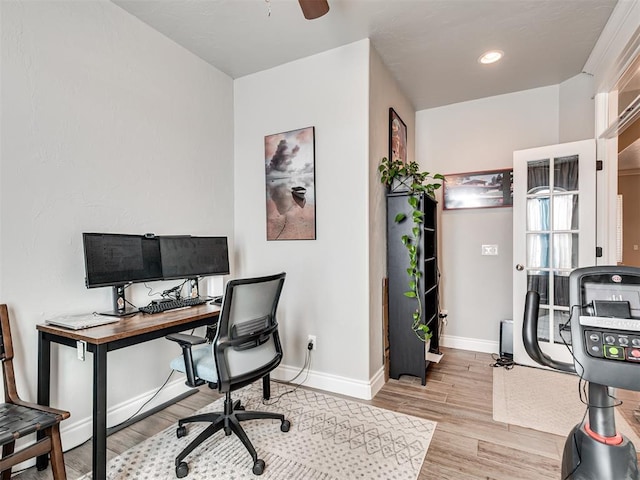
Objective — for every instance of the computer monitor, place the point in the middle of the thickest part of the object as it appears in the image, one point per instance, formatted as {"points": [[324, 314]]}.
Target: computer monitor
{"points": [[115, 260], [192, 257]]}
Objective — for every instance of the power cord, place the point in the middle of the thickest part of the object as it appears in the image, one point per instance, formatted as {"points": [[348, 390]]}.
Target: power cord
{"points": [[306, 366], [502, 361], [124, 421], [157, 392], [147, 402]]}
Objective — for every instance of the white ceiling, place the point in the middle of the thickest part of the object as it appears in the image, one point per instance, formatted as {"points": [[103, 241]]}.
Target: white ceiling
{"points": [[430, 46]]}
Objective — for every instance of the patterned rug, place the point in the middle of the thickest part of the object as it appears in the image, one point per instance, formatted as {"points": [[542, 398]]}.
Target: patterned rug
{"points": [[542, 400], [330, 439]]}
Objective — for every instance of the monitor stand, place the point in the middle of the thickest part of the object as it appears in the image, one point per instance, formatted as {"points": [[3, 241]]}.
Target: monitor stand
{"points": [[120, 306]]}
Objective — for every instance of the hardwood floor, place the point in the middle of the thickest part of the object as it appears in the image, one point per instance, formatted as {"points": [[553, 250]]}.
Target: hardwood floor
{"points": [[467, 444]]}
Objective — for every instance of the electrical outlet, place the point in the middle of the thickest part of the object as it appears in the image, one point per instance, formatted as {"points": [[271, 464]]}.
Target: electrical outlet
{"points": [[311, 340]]}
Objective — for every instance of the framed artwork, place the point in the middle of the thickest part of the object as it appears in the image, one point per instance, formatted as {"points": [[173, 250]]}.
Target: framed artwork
{"points": [[397, 137], [492, 188], [290, 185]]}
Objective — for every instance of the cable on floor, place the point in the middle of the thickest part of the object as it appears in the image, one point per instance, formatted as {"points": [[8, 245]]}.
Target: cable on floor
{"points": [[502, 361], [306, 366]]}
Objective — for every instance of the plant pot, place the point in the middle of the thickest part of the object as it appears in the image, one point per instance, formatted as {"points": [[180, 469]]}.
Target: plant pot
{"points": [[401, 184]]}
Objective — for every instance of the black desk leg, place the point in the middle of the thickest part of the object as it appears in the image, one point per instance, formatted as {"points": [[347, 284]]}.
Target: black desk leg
{"points": [[100, 412], [266, 387], [44, 386]]}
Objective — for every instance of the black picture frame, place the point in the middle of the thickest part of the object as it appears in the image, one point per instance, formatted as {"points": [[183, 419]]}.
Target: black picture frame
{"points": [[484, 189], [397, 137]]}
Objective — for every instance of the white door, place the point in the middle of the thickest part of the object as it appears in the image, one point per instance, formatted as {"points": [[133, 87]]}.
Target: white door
{"points": [[554, 232]]}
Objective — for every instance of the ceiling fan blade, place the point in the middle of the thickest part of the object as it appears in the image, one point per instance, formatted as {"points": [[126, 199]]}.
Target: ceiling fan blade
{"points": [[313, 8]]}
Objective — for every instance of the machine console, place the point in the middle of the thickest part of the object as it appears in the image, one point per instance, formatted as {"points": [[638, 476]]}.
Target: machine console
{"points": [[605, 325]]}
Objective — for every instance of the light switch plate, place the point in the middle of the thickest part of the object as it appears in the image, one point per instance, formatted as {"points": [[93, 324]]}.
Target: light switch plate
{"points": [[489, 249]]}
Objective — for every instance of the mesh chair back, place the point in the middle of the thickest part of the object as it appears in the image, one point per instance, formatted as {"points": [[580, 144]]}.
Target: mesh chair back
{"points": [[247, 345]]}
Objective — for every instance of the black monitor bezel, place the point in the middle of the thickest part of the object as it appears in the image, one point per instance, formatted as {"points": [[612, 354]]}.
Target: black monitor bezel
{"points": [[125, 280], [195, 274]]}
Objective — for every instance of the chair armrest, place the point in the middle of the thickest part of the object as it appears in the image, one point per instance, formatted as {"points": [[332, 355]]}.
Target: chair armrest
{"points": [[186, 342], [183, 339]]}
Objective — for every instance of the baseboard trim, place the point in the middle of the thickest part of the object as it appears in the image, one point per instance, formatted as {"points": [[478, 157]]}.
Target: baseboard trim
{"points": [[78, 432], [377, 382], [334, 383], [146, 413], [473, 344]]}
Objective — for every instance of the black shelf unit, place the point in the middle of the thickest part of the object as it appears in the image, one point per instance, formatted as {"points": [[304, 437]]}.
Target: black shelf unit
{"points": [[406, 351]]}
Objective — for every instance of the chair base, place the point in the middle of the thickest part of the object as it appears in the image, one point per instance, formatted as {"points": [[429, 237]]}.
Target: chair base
{"points": [[229, 421]]}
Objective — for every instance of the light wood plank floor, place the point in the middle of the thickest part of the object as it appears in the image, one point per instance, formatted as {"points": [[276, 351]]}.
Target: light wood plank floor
{"points": [[467, 444]]}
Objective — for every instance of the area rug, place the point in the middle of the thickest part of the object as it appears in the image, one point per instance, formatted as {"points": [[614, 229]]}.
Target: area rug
{"points": [[542, 400], [330, 439]]}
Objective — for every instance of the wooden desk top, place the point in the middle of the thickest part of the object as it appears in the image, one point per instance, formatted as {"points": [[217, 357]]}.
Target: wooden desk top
{"points": [[134, 325]]}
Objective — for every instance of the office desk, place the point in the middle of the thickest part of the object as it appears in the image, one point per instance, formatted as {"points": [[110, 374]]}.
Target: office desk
{"points": [[100, 340]]}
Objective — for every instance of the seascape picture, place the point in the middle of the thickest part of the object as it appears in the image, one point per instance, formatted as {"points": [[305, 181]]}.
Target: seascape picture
{"points": [[290, 185]]}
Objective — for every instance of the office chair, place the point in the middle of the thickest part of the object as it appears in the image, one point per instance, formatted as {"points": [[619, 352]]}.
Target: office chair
{"points": [[246, 347], [19, 418]]}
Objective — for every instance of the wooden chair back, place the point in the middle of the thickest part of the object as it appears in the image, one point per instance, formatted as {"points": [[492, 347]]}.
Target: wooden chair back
{"points": [[19, 418]]}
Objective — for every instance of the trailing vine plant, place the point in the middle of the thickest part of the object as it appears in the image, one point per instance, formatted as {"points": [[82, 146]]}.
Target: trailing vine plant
{"points": [[400, 176]]}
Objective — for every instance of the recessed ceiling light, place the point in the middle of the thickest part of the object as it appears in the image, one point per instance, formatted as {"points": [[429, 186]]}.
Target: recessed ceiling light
{"points": [[491, 56]]}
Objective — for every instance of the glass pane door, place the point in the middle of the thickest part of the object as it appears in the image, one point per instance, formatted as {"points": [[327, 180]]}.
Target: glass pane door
{"points": [[552, 233], [550, 215]]}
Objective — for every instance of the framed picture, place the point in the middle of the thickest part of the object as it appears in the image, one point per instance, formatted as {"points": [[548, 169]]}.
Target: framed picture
{"points": [[290, 185], [492, 188], [397, 137]]}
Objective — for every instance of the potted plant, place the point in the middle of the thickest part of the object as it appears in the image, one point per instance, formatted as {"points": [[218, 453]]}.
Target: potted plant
{"points": [[398, 176]]}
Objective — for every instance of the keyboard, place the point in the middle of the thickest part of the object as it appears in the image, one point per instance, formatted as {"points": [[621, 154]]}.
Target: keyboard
{"points": [[172, 304]]}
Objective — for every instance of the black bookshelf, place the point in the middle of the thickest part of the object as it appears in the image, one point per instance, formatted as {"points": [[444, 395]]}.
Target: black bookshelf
{"points": [[407, 352]]}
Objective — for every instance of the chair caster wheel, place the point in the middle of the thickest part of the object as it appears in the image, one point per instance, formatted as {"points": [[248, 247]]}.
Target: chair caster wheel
{"points": [[258, 467], [182, 470], [181, 432], [240, 407], [286, 425]]}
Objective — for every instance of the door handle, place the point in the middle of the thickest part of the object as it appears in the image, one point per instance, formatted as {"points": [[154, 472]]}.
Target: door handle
{"points": [[519, 267]]}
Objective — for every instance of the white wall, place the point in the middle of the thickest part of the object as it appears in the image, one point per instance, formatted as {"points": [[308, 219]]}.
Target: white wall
{"points": [[384, 93], [327, 288], [106, 126], [475, 136], [577, 109]]}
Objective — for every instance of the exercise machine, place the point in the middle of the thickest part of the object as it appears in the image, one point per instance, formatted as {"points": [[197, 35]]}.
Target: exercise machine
{"points": [[605, 338]]}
